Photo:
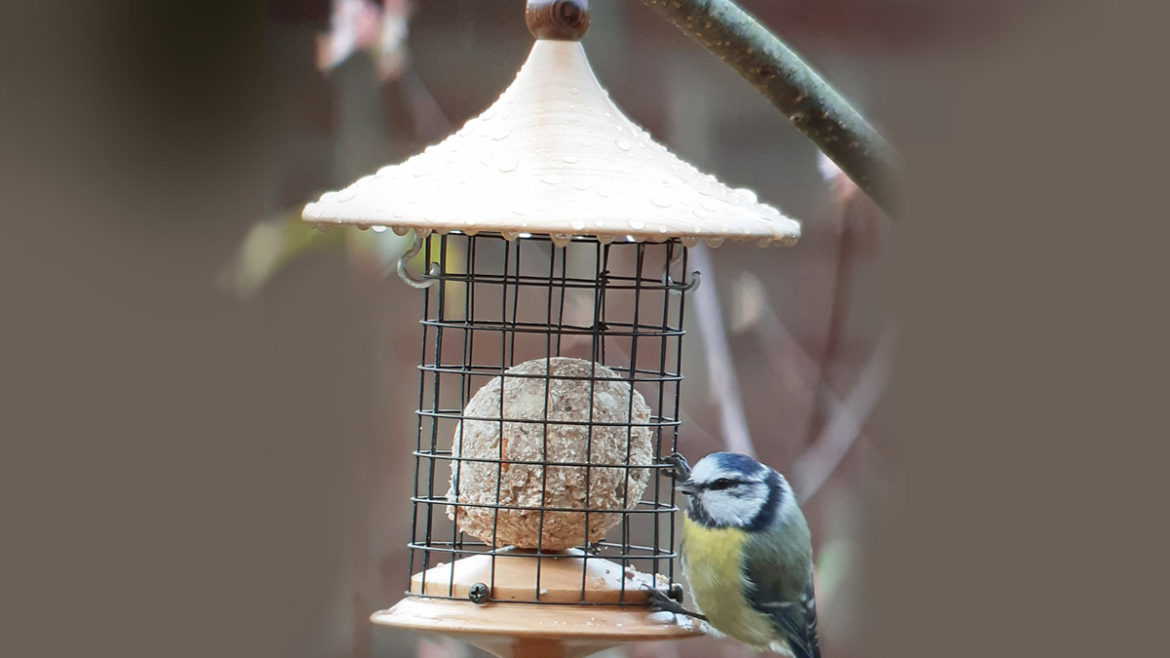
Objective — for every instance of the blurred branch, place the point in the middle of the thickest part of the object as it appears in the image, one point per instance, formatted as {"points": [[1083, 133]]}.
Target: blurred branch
{"points": [[840, 303], [752, 312], [720, 368], [813, 468], [781, 76]]}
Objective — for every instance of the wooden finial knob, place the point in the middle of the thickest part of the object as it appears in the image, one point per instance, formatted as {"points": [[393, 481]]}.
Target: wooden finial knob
{"points": [[559, 20]]}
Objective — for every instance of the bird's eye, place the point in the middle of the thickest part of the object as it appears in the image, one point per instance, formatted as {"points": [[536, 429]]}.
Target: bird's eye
{"points": [[721, 483]]}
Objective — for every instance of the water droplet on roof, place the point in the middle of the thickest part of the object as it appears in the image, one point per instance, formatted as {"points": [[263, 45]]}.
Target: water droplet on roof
{"points": [[744, 194], [507, 163]]}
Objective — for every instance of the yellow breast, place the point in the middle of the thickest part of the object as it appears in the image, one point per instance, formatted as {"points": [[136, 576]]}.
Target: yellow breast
{"points": [[713, 563]]}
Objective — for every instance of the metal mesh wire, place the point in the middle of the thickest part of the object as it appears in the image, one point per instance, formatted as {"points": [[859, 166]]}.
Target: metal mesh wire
{"points": [[498, 303]]}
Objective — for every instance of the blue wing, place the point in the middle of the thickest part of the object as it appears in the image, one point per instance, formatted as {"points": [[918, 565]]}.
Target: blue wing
{"points": [[792, 610]]}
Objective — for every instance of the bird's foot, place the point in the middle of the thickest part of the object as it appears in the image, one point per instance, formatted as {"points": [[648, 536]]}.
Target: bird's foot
{"points": [[679, 468], [660, 601]]}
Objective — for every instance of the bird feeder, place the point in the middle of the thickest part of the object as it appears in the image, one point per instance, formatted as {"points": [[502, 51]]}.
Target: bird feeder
{"points": [[555, 234]]}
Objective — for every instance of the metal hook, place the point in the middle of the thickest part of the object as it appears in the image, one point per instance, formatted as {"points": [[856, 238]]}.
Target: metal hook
{"points": [[671, 284], [413, 280]]}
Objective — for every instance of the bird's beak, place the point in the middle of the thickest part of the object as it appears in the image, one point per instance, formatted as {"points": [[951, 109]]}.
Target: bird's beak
{"points": [[687, 487]]}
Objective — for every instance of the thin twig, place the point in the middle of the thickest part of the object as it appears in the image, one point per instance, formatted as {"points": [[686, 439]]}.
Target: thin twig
{"points": [[720, 367], [781, 76], [839, 307], [771, 334], [812, 469], [783, 351]]}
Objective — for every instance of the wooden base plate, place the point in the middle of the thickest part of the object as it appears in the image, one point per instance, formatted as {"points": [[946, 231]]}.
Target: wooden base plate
{"points": [[553, 624], [524, 630]]}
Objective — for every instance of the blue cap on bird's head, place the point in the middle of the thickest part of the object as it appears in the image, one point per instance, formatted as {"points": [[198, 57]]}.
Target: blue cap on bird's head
{"points": [[735, 462], [722, 467]]}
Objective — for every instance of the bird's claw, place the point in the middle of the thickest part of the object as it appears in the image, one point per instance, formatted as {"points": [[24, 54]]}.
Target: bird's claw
{"points": [[679, 468], [661, 601]]}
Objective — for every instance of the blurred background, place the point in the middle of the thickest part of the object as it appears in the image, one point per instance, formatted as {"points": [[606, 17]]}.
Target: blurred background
{"points": [[800, 339], [228, 395]]}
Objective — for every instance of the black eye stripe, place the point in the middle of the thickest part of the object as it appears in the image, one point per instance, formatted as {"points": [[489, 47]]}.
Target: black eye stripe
{"points": [[723, 483]]}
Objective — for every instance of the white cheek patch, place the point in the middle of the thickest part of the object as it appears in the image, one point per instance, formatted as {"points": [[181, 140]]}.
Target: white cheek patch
{"points": [[727, 509], [720, 507]]}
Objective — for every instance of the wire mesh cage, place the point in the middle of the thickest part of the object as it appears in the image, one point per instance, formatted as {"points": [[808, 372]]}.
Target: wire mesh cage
{"points": [[548, 395]]}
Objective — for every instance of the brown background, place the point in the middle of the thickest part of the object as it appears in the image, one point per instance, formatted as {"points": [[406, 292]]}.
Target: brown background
{"points": [[141, 404]]}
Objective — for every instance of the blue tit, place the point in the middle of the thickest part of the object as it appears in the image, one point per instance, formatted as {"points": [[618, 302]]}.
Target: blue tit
{"points": [[746, 554]]}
